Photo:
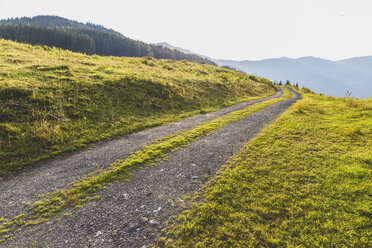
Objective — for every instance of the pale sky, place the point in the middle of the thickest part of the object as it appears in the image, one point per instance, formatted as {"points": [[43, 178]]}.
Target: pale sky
{"points": [[231, 29]]}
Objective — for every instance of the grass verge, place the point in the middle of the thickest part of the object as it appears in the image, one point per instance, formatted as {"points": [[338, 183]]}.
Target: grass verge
{"points": [[87, 188], [305, 181]]}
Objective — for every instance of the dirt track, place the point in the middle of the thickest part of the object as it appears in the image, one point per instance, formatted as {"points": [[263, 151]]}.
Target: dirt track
{"points": [[130, 214]]}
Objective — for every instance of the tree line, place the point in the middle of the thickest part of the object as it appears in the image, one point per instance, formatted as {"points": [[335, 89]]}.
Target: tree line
{"points": [[57, 37], [85, 38]]}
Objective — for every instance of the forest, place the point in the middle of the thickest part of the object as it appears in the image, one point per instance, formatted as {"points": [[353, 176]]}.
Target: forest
{"points": [[87, 38]]}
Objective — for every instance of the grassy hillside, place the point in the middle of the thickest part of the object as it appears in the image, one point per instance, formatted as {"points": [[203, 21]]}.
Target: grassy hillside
{"points": [[53, 100], [304, 182]]}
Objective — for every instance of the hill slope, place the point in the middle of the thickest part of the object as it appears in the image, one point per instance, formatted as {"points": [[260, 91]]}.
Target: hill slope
{"points": [[87, 38], [54, 100]]}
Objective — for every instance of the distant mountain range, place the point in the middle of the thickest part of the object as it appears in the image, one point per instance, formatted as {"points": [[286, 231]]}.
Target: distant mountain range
{"points": [[329, 77], [333, 78], [85, 38]]}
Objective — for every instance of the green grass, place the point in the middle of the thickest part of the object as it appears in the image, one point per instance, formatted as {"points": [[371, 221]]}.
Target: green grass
{"points": [[86, 189], [305, 181], [52, 101]]}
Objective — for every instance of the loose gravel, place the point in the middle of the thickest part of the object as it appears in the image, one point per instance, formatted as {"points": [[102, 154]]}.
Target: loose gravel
{"points": [[130, 214]]}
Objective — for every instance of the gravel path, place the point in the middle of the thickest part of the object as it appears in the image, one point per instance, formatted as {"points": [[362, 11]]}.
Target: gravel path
{"points": [[130, 214], [58, 173]]}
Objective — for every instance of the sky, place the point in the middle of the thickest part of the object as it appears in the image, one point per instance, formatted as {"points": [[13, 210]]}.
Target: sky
{"points": [[229, 29]]}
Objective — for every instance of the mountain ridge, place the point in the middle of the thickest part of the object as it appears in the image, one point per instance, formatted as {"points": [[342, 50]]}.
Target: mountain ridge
{"points": [[165, 44], [335, 78]]}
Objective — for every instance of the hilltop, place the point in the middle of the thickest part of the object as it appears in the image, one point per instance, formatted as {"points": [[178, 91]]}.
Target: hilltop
{"points": [[56, 21], [54, 100]]}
